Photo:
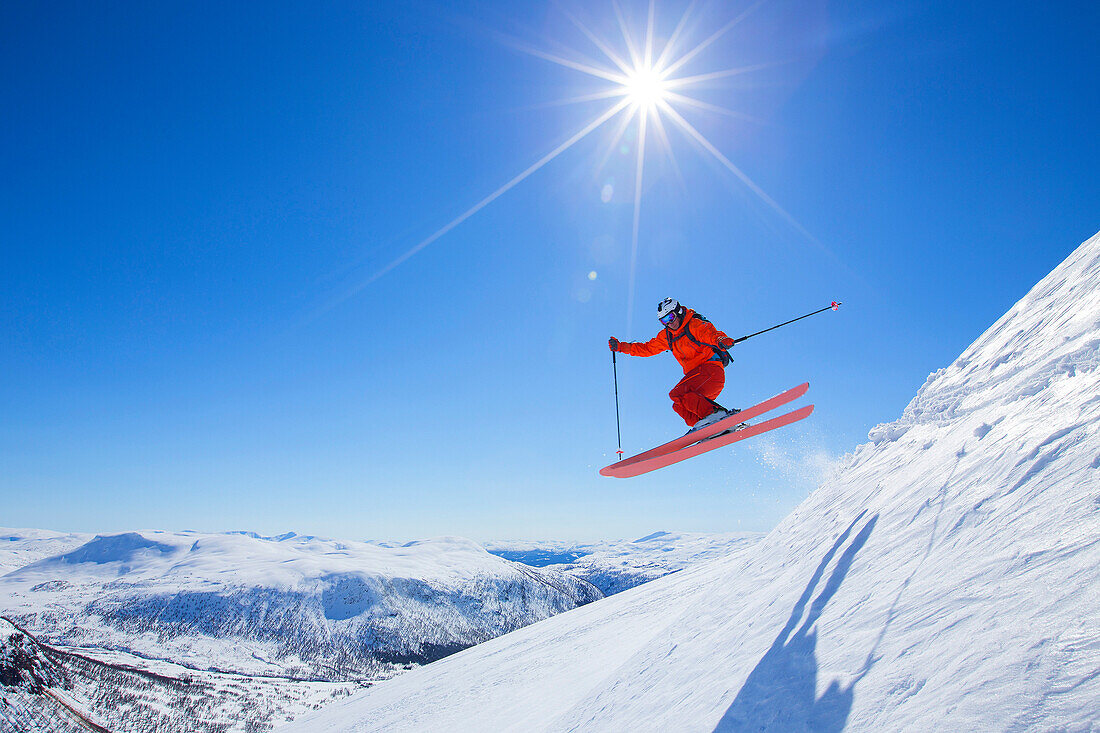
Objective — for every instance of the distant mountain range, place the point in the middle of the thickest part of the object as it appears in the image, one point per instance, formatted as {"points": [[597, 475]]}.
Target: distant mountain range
{"points": [[288, 606], [238, 631]]}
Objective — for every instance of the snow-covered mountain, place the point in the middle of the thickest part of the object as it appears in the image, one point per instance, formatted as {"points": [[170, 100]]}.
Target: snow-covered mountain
{"points": [[947, 577], [287, 606], [614, 566]]}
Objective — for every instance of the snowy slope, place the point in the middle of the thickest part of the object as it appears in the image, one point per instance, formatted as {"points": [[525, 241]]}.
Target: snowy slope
{"points": [[290, 606], [947, 577], [43, 688]]}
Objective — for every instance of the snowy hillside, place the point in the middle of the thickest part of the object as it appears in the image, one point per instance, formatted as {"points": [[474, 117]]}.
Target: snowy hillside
{"points": [[43, 688], [616, 566], [288, 606], [946, 578]]}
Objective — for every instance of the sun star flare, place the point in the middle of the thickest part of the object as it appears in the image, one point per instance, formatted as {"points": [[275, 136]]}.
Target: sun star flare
{"points": [[645, 88]]}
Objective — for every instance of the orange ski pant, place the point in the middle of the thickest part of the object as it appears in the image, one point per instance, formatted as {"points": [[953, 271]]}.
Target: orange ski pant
{"points": [[693, 398]]}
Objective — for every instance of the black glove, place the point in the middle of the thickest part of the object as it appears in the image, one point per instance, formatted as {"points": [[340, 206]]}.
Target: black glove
{"points": [[613, 343]]}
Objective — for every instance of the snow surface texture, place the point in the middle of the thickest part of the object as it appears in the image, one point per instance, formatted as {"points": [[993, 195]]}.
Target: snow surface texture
{"points": [[287, 606], [617, 566], [946, 578]]}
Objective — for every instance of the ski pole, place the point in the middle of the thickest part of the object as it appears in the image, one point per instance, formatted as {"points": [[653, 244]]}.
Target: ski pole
{"points": [[618, 431], [832, 306]]}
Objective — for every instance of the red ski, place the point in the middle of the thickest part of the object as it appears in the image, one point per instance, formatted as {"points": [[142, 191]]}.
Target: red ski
{"points": [[696, 436], [631, 467]]}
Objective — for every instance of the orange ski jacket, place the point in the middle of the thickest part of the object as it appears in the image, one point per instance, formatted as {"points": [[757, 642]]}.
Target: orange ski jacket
{"points": [[694, 342]]}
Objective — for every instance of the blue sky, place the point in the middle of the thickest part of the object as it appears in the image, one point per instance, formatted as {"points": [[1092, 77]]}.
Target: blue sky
{"points": [[197, 201]]}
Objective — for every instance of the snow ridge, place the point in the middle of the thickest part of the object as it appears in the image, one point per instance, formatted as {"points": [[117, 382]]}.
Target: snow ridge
{"points": [[1051, 333]]}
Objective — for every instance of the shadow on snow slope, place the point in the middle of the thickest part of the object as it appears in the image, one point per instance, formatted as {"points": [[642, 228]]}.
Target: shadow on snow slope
{"points": [[780, 693]]}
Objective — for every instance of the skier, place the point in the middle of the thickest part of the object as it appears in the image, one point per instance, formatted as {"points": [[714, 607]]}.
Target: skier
{"points": [[702, 351]]}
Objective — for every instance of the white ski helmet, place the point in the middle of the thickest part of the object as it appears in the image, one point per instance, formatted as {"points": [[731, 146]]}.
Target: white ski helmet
{"points": [[667, 306]]}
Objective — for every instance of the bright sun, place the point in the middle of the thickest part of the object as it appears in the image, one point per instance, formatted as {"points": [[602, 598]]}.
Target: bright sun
{"points": [[645, 87]]}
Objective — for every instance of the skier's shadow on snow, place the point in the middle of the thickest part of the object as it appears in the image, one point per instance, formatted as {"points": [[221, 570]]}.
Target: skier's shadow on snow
{"points": [[780, 693]]}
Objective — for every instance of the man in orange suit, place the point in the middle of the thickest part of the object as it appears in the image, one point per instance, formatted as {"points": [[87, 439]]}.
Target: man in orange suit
{"points": [[702, 351]]}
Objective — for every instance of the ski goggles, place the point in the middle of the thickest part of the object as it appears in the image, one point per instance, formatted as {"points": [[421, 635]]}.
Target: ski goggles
{"points": [[667, 318]]}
